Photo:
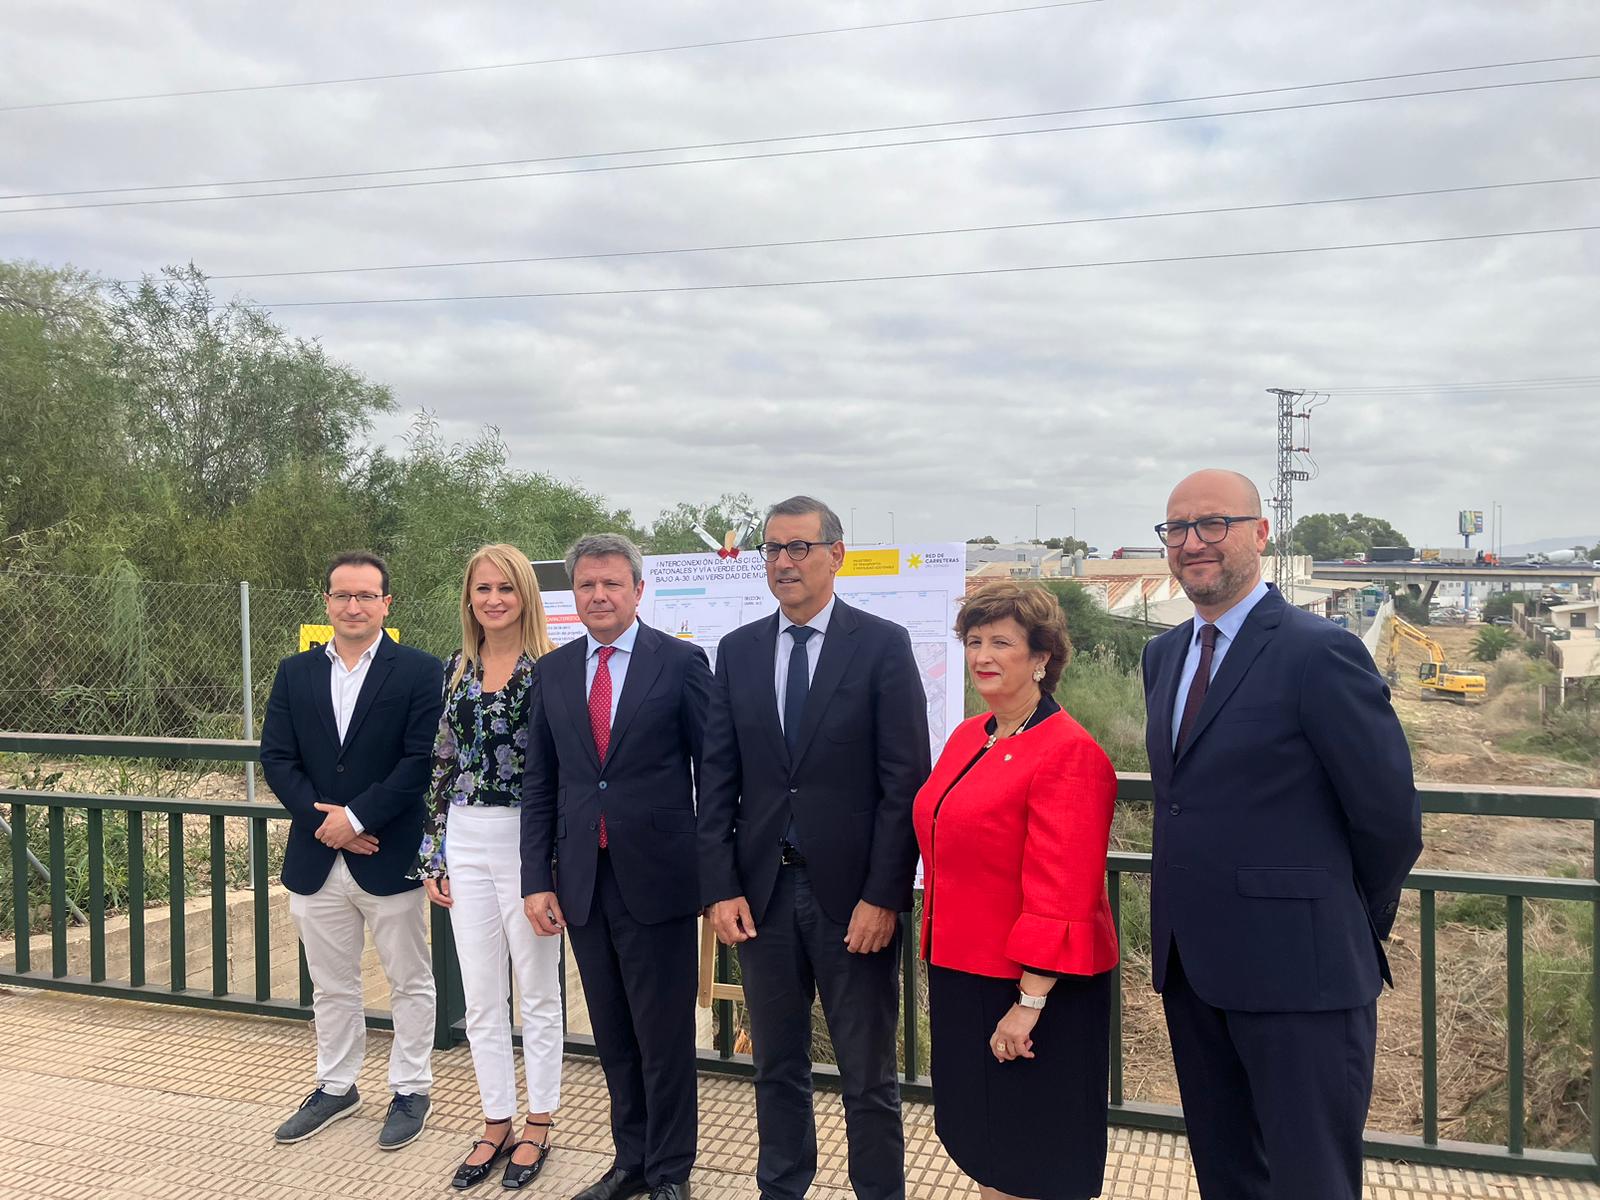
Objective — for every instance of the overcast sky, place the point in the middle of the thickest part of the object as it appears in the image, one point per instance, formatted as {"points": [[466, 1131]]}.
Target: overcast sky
{"points": [[956, 403]]}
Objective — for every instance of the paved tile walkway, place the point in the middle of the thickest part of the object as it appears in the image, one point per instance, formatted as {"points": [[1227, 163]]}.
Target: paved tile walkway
{"points": [[112, 1100]]}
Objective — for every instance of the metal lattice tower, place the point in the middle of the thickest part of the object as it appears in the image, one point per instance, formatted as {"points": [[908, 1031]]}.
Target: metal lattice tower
{"points": [[1295, 464]]}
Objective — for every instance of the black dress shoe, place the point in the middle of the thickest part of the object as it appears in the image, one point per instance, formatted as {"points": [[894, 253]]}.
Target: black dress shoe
{"points": [[670, 1191], [615, 1184], [519, 1175], [468, 1174]]}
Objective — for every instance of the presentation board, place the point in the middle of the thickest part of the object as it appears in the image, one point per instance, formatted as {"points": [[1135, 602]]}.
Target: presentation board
{"points": [[701, 597]]}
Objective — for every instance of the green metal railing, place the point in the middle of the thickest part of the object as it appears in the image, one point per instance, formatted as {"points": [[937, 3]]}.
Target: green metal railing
{"points": [[1514, 1156]]}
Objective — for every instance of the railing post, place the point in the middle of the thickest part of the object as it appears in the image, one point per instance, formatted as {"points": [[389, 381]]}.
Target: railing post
{"points": [[58, 891], [219, 909], [97, 894], [449, 1003], [135, 897], [1594, 1006], [1515, 1026], [908, 991], [1430, 1023], [177, 905], [261, 902], [724, 1008], [1114, 894], [21, 918]]}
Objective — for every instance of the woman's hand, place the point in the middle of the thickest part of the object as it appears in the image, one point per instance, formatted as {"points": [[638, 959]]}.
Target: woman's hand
{"points": [[1013, 1036], [438, 890]]}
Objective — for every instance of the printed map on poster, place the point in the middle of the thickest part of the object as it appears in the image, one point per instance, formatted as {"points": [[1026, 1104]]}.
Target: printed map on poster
{"points": [[700, 597]]}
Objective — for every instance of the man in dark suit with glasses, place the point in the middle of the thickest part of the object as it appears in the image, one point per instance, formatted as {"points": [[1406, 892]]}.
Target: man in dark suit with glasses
{"points": [[1285, 823], [816, 742]]}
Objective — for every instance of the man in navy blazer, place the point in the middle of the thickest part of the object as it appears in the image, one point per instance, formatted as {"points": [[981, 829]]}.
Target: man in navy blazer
{"points": [[1286, 821], [345, 748], [816, 744], [614, 737]]}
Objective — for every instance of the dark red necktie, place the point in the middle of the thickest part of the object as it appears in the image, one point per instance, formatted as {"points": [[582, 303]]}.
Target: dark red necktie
{"points": [[1198, 685], [600, 716]]}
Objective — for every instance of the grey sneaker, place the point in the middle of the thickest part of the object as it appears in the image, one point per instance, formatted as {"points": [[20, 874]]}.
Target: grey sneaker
{"points": [[317, 1110], [407, 1115]]}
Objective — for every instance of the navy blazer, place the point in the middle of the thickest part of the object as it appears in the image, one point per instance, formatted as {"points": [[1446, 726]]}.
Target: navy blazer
{"points": [[862, 754], [645, 787], [380, 772], [1286, 826]]}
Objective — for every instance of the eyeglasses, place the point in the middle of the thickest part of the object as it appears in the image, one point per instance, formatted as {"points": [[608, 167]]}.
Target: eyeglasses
{"points": [[797, 549], [365, 599], [1208, 529]]}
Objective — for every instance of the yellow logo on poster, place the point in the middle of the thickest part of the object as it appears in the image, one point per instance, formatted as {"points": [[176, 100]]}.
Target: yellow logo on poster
{"points": [[312, 636], [871, 562]]}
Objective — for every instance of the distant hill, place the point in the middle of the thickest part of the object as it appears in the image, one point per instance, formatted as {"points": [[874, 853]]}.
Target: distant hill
{"points": [[1545, 545]]}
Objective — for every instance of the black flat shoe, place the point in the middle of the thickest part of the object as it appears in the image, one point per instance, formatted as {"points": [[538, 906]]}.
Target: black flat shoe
{"points": [[519, 1175], [468, 1174]]}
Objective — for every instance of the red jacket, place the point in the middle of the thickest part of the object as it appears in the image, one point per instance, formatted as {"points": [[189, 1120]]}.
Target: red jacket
{"points": [[1014, 869]]}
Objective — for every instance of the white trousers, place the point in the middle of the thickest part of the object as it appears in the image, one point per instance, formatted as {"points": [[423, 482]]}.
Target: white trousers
{"points": [[332, 923], [483, 860]]}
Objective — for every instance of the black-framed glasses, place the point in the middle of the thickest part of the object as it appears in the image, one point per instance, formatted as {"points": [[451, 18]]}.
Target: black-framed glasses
{"points": [[1208, 529], [364, 599], [797, 549]]}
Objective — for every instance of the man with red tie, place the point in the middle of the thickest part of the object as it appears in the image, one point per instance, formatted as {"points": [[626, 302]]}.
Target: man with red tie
{"points": [[1285, 823], [614, 735]]}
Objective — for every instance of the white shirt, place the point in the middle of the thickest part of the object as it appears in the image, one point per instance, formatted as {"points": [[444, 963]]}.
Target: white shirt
{"points": [[780, 679], [345, 683], [1228, 626], [618, 666]]}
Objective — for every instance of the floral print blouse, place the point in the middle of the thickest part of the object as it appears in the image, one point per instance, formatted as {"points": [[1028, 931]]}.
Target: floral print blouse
{"points": [[478, 753]]}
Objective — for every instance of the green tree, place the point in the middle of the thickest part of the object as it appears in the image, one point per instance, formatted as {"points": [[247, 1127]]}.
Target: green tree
{"points": [[63, 453], [986, 540], [1067, 545], [1092, 629], [218, 397], [1499, 604], [1328, 536], [1491, 642]]}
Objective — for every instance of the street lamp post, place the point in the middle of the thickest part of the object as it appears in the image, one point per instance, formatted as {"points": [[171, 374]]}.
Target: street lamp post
{"points": [[1074, 523], [1036, 522], [891, 526], [852, 526]]}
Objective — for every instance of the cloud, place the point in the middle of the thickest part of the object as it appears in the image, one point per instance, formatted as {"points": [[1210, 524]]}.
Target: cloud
{"points": [[958, 404]]}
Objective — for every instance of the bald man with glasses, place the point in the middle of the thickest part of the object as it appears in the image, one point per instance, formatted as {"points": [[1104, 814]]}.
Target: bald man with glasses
{"points": [[1286, 821], [816, 743]]}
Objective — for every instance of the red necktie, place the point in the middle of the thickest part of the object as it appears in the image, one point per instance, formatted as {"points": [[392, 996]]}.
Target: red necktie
{"points": [[600, 716], [1198, 685]]}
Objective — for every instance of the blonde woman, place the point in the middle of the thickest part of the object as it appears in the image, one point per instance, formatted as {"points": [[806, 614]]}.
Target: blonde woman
{"points": [[469, 861]]}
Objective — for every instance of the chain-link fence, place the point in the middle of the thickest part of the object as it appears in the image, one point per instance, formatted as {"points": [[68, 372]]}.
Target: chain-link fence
{"points": [[119, 655]]}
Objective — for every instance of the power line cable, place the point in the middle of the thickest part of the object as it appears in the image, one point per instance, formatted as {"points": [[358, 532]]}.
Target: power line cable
{"points": [[1551, 383], [876, 237], [793, 137], [967, 137], [923, 275], [545, 62], [789, 138]]}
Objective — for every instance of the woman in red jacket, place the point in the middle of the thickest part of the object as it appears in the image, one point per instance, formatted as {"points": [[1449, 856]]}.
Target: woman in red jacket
{"points": [[1016, 927]]}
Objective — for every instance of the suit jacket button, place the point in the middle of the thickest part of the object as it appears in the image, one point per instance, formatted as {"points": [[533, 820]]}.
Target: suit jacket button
{"points": [[1390, 908], [1175, 809], [794, 791], [339, 767], [594, 825], [602, 785]]}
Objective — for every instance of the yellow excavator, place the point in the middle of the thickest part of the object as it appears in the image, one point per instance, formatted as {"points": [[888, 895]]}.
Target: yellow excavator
{"points": [[1438, 680]]}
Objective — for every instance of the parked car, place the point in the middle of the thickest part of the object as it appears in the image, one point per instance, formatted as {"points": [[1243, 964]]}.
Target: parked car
{"points": [[1500, 621]]}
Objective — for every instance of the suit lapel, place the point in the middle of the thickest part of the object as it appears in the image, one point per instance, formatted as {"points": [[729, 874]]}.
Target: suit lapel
{"points": [[766, 665], [322, 698], [1165, 693], [382, 664], [836, 655], [1254, 635], [570, 683], [643, 667]]}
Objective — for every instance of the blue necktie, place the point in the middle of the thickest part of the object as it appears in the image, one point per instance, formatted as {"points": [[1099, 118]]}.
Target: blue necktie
{"points": [[796, 686]]}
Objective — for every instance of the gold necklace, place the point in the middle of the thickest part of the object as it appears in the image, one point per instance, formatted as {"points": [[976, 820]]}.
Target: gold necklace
{"points": [[995, 736]]}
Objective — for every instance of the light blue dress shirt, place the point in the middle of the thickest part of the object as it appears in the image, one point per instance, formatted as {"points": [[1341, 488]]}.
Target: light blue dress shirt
{"points": [[1228, 626], [618, 666]]}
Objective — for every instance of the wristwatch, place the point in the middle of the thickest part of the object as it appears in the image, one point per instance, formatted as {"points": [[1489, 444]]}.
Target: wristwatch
{"points": [[1028, 1001]]}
